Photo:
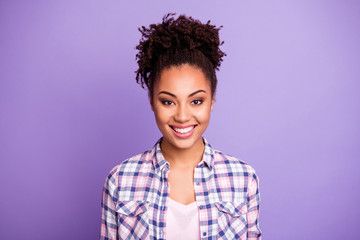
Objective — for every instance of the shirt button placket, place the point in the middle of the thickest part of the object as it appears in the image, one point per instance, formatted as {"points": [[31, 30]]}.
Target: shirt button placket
{"points": [[162, 233], [201, 207]]}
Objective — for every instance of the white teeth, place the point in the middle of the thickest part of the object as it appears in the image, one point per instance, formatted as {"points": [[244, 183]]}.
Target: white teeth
{"points": [[184, 130]]}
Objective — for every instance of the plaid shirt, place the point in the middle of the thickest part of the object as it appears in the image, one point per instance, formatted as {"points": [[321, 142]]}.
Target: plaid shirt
{"points": [[136, 192]]}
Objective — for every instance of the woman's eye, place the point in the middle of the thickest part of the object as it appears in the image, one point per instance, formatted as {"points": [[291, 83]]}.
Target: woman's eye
{"points": [[197, 102], [167, 102]]}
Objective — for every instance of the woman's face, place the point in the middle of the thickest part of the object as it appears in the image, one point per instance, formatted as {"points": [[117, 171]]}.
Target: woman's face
{"points": [[182, 102]]}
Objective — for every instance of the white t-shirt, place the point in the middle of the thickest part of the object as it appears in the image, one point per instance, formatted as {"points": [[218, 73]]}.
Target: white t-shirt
{"points": [[182, 221]]}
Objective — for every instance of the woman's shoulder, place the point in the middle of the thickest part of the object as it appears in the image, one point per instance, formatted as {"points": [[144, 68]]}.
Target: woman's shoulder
{"points": [[231, 163], [134, 164]]}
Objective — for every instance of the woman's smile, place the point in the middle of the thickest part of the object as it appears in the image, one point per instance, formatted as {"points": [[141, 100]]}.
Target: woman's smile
{"points": [[183, 132]]}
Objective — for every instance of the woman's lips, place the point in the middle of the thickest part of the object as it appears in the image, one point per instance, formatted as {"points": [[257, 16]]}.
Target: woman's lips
{"points": [[183, 131]]}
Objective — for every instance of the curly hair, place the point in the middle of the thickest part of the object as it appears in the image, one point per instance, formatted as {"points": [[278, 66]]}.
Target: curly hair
{"points": [[177, 42]]}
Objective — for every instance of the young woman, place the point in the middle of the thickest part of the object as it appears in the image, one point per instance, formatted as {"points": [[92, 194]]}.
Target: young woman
{"points": [[182, 188]]}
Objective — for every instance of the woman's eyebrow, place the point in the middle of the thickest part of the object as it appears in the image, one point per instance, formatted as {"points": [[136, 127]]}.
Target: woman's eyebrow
{"points": [[165, 92], [192, 94]]}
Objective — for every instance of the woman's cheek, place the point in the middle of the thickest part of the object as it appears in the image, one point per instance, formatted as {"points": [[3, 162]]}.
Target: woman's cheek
{"points": [[203, 114], [163, 114]]}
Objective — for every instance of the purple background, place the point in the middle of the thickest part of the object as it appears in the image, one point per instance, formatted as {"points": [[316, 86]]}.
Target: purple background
{"points": [[287, 103]]}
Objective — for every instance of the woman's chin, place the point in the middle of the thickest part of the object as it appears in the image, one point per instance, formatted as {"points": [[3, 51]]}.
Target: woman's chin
{"points": [[183, 143]]}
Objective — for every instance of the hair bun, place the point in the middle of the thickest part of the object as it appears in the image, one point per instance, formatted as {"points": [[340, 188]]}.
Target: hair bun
{"points": [[180, 35]]}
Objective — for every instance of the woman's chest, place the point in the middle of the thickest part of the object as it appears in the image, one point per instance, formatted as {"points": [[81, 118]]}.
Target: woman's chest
{"points": [[222, 208]]}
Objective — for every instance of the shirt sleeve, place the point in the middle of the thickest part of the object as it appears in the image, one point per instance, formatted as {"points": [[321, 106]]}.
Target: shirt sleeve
{"points": [[109, 228], [254, 232]]}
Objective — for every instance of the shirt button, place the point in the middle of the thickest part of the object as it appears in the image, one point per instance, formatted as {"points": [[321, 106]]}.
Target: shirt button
{"points": [[204, 233], [198, 183], [201, 207]]}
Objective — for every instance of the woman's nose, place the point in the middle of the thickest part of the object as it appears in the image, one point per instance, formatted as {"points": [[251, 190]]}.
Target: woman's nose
{"points": [[182, 114]]}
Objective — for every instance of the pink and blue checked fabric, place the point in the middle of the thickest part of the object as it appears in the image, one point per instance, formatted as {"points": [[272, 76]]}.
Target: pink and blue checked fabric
{"points": [[136, 192]]}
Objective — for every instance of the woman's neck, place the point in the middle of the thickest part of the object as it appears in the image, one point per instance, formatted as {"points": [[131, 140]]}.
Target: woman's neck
{"points": [[183, 158]]}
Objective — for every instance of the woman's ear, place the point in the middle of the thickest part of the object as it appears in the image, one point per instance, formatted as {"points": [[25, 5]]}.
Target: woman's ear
{"points": [[151, 102], [212, 104]]}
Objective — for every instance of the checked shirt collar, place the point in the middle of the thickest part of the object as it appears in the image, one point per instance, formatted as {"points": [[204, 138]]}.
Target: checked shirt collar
{"points": [[159, 161]]}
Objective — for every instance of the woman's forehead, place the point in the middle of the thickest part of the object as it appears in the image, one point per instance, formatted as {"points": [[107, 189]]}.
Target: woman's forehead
{"points": [[182, 78]]}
